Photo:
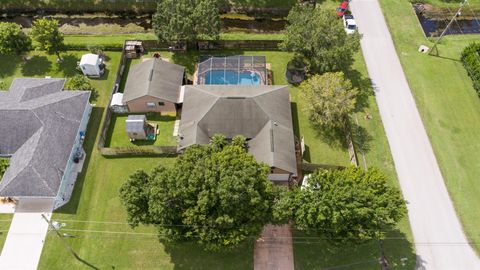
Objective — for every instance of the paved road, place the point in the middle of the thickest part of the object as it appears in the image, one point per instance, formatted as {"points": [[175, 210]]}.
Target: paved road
{"points": [[26, 236], [439, 240]]}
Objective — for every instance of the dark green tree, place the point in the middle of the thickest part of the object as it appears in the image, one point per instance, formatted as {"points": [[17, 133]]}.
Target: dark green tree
{"points": [[47, 34], [240, 141], [317, 35], [12, 39], [217, 197], [134, 195], [187, 20], [345, 205], [218, 142]]}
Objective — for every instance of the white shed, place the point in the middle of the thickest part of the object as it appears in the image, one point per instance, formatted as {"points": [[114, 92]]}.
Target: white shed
{"points": [[136, 127], [91, 65]]}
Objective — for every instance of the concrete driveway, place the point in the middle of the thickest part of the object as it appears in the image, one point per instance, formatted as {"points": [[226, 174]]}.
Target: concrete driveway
{"points": [[26, 236], [439, 240]]}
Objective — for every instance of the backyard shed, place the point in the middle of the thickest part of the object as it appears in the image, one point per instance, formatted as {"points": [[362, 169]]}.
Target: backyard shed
{"points": [[117, 104], [91, 65], [136, 127]]}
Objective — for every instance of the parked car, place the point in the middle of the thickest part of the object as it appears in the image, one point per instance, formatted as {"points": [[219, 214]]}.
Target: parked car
{"points": [[349, 23], [342, 8]]}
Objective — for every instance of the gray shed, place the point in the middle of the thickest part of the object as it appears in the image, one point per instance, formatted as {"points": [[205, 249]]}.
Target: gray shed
{"points": [[136, 127]]}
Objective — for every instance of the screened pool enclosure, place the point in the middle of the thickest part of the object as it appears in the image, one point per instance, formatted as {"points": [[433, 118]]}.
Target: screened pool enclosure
{"points": [[240, 70]]}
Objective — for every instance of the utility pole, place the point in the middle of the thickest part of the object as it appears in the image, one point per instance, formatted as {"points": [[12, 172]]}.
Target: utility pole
{"points": [[67, 245], [458, 13]]}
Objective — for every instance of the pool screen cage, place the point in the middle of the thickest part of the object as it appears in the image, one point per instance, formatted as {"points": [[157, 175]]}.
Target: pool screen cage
{"points": [[238, 63]]}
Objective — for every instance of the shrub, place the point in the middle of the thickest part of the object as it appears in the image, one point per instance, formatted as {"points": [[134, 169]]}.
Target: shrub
{"points": [[80, 82], [471, 61]]}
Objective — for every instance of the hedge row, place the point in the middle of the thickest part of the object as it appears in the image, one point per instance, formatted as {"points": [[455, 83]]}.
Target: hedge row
{"points": [[471, 61], [139, 151], [85, 47]]}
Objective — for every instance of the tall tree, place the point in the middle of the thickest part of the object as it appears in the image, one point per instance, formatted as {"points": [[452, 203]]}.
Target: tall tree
{"points": [[345, 205], [217, 197], [328, 99], [318, 36], [12, 39], [187, 20], [47, 34]]}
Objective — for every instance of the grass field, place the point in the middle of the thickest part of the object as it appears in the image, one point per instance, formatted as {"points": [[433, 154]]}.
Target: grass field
{"points": [[117, 137], [448, 105]]}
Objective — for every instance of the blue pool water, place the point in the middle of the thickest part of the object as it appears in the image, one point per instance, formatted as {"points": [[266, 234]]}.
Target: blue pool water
{"points": [[232, 77]]}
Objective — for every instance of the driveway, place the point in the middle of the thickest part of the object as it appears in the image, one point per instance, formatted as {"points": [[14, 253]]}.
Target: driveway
{"points": [[26, 236], [439, 240], [274, 249]]}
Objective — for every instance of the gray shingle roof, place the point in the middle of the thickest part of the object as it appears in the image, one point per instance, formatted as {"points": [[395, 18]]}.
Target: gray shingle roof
{"points": [[38, 125], [260, 113], [156, 78]]}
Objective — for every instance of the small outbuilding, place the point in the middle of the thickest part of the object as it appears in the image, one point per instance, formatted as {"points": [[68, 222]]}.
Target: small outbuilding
{"points": [[136, 127], [92, 65]]}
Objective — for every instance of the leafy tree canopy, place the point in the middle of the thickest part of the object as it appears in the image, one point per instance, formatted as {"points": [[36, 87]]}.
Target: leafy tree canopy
{"points": [[187, 20], [12, 39], [217, 195], [328, 99], [46, 33], [344, 205], [82, 83], [3, 166], [318, 36]]}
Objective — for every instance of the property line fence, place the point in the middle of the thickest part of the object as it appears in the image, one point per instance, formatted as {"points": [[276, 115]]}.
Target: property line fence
{"points": [[169, 151]]}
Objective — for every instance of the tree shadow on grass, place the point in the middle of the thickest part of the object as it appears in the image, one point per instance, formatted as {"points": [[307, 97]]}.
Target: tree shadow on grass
{"points": [[312, 253], [8, 65], [361, 138], [36, 66], [364, 85], [69, 65], [190, 256], [89, 146]]}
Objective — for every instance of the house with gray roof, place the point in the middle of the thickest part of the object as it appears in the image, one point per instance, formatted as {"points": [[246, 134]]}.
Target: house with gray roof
{"points": [[260, 113], [41, 131], [153, 86]]}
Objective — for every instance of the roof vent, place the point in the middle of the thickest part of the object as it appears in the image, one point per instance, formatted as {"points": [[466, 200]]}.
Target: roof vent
{"points": [[235, 97]]}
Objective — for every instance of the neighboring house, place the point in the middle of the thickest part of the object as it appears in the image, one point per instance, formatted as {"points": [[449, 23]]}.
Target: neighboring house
{"points": [[41, 131], [153, 86], [260, 113]]}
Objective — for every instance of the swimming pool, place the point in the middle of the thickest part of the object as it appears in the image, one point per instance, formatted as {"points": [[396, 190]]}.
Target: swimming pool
{"points": [[232, 77]]}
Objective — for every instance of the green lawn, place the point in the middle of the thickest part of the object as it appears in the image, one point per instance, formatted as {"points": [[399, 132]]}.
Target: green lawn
{"points": [[5, 220], [448, 105], [97, 220], [117, 137], [41, 65]]}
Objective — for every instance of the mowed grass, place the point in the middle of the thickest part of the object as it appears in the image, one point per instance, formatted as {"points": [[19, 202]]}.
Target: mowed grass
{"points": [[5, 220], [40, 65], [117, 136], [448, 105]]}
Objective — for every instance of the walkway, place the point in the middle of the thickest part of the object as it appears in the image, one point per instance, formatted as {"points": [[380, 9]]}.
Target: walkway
{"points": [[274, 249], [439, 240], [24, 243]]}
